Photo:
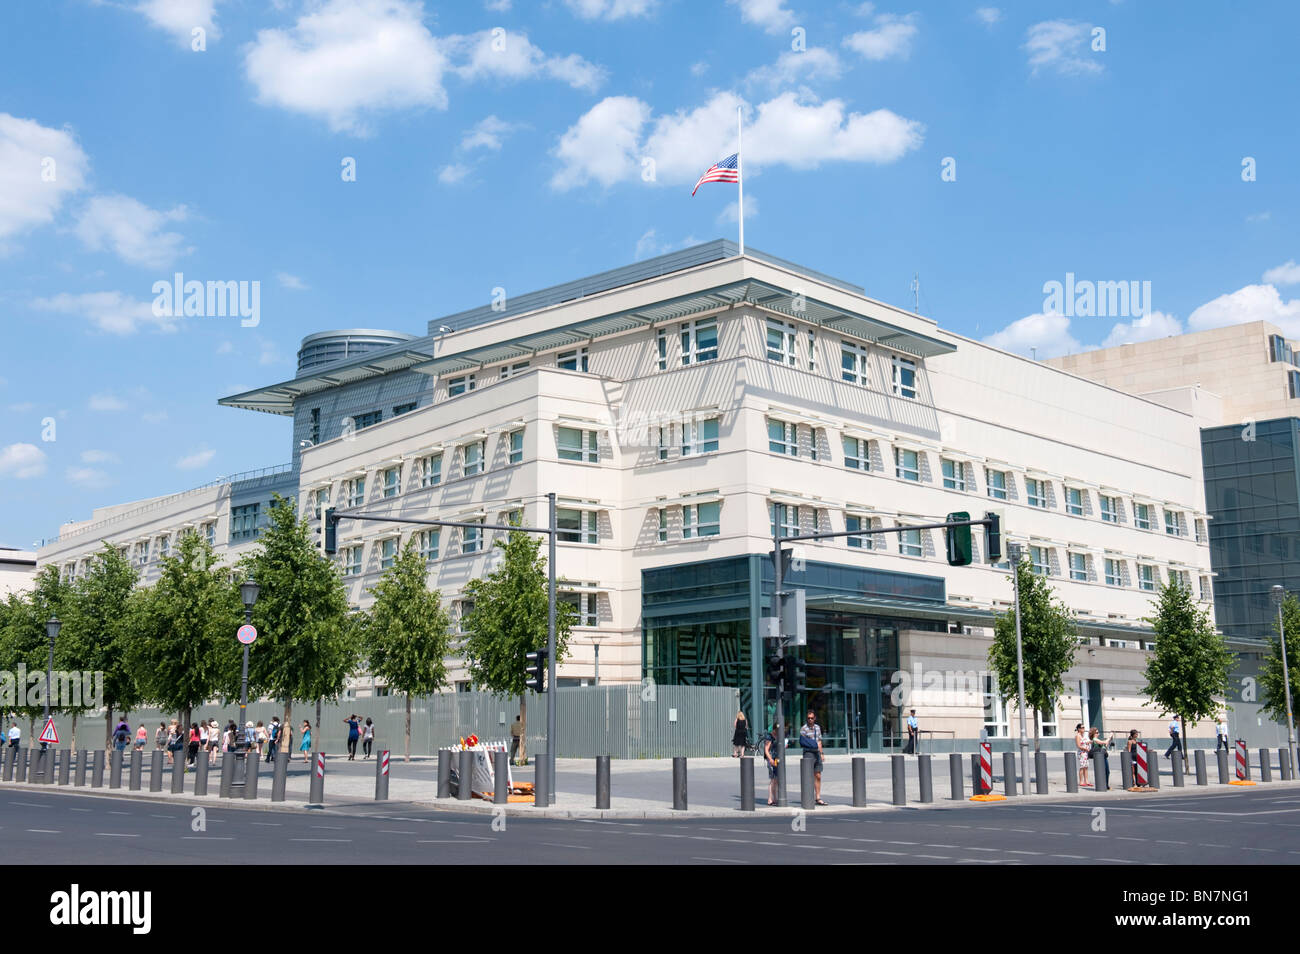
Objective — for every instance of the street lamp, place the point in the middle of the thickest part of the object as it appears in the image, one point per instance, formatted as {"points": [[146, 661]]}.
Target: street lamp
{"points": [[248, 591], [595, 642], [51, 630], [1278, 595], [1013, 551]]}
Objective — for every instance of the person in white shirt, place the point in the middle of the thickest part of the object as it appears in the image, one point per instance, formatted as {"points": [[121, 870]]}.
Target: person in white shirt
{"points": [[1222, 728], [1175, 740], [15, 734]]}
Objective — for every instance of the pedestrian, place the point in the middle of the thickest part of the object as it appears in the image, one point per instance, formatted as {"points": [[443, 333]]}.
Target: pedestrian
{"points": [[354, 733], [1081, 747], [194, 742], [913, 735], [174, 742], [810, 740], [367, 738], [260, 737], [739, 736], [516, 734], [141, 738], [1097, 744], [273, 739], [305, 745], [229, 738], [1221, 729], [249, 741], [1175, 740], [160, 737], [773, 759], [15, 735], [214, 741], [121, 736]]}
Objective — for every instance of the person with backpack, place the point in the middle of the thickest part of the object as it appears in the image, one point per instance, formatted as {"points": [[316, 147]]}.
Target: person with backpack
{"points": [[121, 736], [810, 740], [772, 756], [273, 738]]}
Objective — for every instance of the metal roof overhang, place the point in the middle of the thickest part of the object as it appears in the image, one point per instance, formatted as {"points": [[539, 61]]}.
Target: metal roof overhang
{"points": [[279, 398], [965, 614]]}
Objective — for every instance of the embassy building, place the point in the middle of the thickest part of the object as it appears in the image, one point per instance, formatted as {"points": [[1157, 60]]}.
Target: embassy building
{"points": [[683, 409]]}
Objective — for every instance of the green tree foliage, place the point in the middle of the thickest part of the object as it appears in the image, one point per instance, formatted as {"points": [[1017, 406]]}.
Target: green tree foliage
{"points": [[408, 634], [1187, 676], [24, 642], [1271, 684], [1048, 640]]}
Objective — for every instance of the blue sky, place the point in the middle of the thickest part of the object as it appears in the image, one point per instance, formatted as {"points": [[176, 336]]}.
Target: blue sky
{"points": [[511, 144]]}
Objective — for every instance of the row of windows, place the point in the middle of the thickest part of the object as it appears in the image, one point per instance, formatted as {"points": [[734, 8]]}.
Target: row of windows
{"points": [[359, 421], [159, 547]]}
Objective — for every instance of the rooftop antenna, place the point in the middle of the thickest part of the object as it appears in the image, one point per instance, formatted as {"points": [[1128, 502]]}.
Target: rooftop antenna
{"points": [[1033, 352], [916, 293]]}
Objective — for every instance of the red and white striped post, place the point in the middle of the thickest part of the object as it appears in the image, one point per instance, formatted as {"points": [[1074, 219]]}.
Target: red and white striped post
{"points": [[381, 777], [1241, 760], [317, 794], [986, 768], [1140, 765]]}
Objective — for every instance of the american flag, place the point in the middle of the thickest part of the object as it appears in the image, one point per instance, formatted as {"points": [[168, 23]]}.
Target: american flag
{"points": [[724, 170]]}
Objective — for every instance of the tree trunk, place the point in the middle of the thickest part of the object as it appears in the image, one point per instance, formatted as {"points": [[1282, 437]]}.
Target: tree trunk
{"points": [[1183, 721], [108, 727], [73, 741], [31, 732], [408, 727], [523, 729], [1036, 723], [317, 718], [286, 727]]}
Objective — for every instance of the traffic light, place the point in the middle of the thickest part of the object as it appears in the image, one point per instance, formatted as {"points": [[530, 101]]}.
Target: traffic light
{"points": [[957, 540], [775, 669], [536, 671], [331, 522], [796, 674], [993, 538]]}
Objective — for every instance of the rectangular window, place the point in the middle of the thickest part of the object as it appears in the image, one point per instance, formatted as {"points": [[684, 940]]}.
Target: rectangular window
{"points": [[1293, 384], [663, 524], [142, 552], [907, 465], [1173, 526], [315, 425], [243, 522], [392, 481], [996, 724], [369, 419], [996, 483], [702, 520], [1040, 560], [783, 438], [430, 470], [516, 447], [1207, 594], [428, 541], [909, 543], [1200, 531], [1035, 492], [510, 370], [164, 548], [812, 350], [661, 345], [858, 523], [387, 552], [575, 526], [514, 518], [699, 341], [460, 385], [780, 342], [575, 360], [471, 538], [1114, 573], [904, 378], [954, 474], [700, 437], [785, 518], [584, 607], [1146, 576], [473, 455], [354, 491], [665, 440], [1074, 501], [1079, 567], [1141, 516], [857, 453], [321, 500], [574, 444], [210, 533], [400, 409], [853, 364], [1109, 509], [352, 561]]}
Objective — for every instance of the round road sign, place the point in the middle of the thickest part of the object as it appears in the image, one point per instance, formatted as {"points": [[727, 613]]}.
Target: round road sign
{"points": [[247, 634]]}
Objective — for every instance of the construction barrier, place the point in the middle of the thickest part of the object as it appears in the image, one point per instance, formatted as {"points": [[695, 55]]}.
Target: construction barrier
{"points": [[381, 777], [1243, 766], [1141, 755], [986, 793], [317, 793]]}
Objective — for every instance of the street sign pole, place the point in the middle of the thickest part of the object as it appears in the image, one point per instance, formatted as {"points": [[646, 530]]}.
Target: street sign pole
{"points": [[777, 580], [1013, 551], [551, 734]]}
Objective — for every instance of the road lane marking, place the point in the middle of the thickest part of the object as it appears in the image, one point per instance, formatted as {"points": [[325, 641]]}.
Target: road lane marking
{"points": [[321, 839], [552, 844], [114, 834], [207, 837], [44, 831]]}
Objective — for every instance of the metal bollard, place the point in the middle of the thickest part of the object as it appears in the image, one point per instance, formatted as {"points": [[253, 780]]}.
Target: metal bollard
{"points": [[1071, 773], [1099, 783], [541, 778], [316, 796], [1178, 772], [65, 766], [1040, 772], [602, 782], [1153, 773], [7, 763], [465, 775], [1201, 775], [1221, 756], [898, 772], [227, 775], [115, 760], [1126, 769], [97, 773], [24, 757], [279, 776], [806, 797], [137, 770], [859, 771], [201, 774], [253, 763], [924, 770], [444, 773], [1265, 768], [1283, 766], [746, 783], [976, 786], [1009, 773], [381, 775], [79, 779], [954, 777], [156, 771], [679, 783], [179, 768], [35, 766]]}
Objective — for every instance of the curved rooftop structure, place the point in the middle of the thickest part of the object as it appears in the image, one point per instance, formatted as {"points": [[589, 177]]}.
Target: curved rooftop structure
{"points": [[327, 347]]}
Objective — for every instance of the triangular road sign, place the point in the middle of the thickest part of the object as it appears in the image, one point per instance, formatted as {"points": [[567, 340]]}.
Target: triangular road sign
{"points": [[49, 733]]}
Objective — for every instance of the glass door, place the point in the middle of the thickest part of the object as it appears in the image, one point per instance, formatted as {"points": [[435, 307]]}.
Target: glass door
{"points": [[862, 710]]}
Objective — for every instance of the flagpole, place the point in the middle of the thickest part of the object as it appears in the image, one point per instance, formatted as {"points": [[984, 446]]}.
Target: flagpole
{"points": [[740, 179]]}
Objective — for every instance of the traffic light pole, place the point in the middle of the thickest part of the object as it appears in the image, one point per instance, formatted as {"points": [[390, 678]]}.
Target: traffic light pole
{"points": [[777, 594]]}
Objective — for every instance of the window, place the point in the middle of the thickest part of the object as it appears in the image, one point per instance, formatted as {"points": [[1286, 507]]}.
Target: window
{"points": [[514, 518], [780, 342], [996, 724], [699, 341], [813, 440], [909, 543], [243, 522], [661, 345], [1173, 526], [907, 465], [321, 500], [1146, 576], [400, 409], [164, 548], [663, 524], [352, 560], [369, 419], [784, 518], [584, 607], [473, 454], [1074, 501], [904, 378], [1114, 573], [428, 541], [460, 385], [1207, 594], [954, 474], [575, 526], [783, 438], [471, 538], [700, 437], [210, 533], [575, 360], [858, 523], [1079, 566], [387, 552], [429, 470], [142, 552], [1200, 531], [1109, 509], [510, 370], [315, 425], [516, 439], [812, 350], [354, 491], [1293, 384], [392, 481], [702, 520], [853, 364], [1182, 577], [575, 444], [1035, 492], [857, 453], [665, 439], [996, 483], [1279, 350], [1141, 516], [1040, 560]]}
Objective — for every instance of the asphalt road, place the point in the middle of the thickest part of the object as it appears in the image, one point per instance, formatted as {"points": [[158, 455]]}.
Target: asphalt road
{"points": [[1243, 827]]}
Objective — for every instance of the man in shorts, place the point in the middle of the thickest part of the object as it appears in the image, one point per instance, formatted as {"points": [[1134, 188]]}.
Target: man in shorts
{"points": [[810, 740], [771, 755]]}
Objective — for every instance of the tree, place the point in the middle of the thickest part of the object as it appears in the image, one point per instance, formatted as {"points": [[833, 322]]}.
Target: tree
{"points": [[1048, 640], [508, 620], [1187, 676], [1273, 696], [184, 650], [24, 641], [305, 649], [408, 635]]}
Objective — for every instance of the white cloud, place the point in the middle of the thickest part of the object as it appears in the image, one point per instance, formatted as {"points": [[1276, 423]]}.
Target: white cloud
{"points": [[131, 230], [22, 407], [225, 348], [291, 282], [154, 417], [513, 57], [29, 154], [22, 461], [1148, 327], [98, 457], [180, 17], [891, 39], [106, 402], [196, 460], [346, 58], [988, 15], [1048, 334], [88, 477], [606, 144], [731, 211], [610, 9], [1252, 303], [772, 15], [699, 69], [792, 67], [453, 173], [1063, 46], [648, 246], [487, 133], [1259, 216], [1288, 274], [497, 6], [109, 311]]}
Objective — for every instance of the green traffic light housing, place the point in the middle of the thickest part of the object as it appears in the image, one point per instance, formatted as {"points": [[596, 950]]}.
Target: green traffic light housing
{"points": [[958, 540], [536, 670], [331, 523]]}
